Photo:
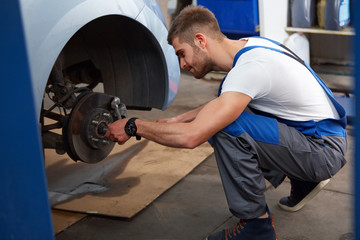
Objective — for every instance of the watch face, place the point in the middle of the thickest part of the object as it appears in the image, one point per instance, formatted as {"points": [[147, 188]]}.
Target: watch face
{"points": [[130, 127], [132, 130]]}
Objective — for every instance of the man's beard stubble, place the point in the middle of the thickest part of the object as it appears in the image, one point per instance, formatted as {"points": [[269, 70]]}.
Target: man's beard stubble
{"points": [[202, 63]]}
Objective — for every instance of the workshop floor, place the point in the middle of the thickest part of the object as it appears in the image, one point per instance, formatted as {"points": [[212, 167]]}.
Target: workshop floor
{"points": [[196, 206]]}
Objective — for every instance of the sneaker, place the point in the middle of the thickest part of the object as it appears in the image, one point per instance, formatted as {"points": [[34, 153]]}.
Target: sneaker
{"points": [[251, 229], [301, 192]]}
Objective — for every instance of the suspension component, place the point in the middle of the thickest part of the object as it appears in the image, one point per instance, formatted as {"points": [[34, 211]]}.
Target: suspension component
{"points": [[120, 108]]}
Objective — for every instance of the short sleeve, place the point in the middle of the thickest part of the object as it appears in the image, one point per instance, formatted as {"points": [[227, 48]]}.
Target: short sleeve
{"points": [[248, 77]]}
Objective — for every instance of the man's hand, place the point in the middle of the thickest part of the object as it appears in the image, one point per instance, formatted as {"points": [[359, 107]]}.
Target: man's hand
{"points": [[116, 131]]}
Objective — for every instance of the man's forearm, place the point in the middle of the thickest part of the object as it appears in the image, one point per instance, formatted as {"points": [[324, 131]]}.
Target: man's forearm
{"points": [[169, 134], [182, 118], [189, 116]]}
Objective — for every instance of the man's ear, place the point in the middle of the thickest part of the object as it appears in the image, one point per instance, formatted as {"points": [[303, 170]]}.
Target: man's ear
{"points": [[200, 40]]}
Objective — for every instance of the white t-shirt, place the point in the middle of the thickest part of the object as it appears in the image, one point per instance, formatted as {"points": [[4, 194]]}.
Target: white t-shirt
{"points": [[278, 84]]}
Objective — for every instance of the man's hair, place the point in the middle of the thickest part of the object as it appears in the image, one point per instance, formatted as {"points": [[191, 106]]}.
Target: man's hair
{"points": [[192, 20]]}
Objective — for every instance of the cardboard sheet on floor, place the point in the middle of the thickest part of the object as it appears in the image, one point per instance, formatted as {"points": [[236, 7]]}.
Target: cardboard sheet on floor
{"points": [[133, 176], [63, 219]]}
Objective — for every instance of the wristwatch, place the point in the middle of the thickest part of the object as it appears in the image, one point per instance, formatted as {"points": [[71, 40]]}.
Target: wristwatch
{"points": [[130, 128]]}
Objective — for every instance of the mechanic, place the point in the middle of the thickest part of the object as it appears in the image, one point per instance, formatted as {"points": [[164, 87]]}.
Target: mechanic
{"points": [[273, 118]]}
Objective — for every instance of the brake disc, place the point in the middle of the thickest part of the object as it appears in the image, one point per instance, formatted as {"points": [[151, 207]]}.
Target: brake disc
{"points": [[84, 132]]}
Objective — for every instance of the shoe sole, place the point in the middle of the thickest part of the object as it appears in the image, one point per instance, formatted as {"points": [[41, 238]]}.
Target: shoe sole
{"points": [[308, 197]]}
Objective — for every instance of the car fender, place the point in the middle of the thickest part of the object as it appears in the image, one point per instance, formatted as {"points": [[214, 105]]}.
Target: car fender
{"points": [[49, 25]]}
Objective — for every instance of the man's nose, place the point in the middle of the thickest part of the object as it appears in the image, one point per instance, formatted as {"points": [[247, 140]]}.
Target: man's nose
{"points": [[182, 63]]}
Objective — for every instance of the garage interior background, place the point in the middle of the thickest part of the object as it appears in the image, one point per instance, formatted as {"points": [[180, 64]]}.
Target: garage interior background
{"points": [[273, 21]]}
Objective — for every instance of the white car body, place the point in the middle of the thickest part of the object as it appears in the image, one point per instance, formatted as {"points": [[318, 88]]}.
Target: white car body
{"points": [[50, 26]]}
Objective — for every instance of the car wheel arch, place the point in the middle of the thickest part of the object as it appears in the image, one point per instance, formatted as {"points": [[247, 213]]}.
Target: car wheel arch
{"points": [[129, 57]]}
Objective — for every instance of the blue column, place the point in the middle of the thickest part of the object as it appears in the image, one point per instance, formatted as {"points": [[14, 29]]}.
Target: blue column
{"points": [[356, 45], [24, 206]]}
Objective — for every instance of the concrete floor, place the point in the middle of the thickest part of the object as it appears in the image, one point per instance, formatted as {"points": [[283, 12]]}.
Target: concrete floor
{"points": [[196, 206]]}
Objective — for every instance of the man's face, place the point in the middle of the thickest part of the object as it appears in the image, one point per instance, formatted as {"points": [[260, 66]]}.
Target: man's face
{"points": [[193, 59]]}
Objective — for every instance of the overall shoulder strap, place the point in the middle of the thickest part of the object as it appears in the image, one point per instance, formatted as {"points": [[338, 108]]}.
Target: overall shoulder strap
{"points": [[289, 52]]}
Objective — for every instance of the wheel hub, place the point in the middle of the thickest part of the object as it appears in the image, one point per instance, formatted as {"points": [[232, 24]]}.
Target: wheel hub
{"points": [[84, 133]]}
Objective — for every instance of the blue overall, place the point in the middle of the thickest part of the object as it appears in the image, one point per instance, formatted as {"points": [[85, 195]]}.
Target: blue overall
{"points": [[258, 145]]}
